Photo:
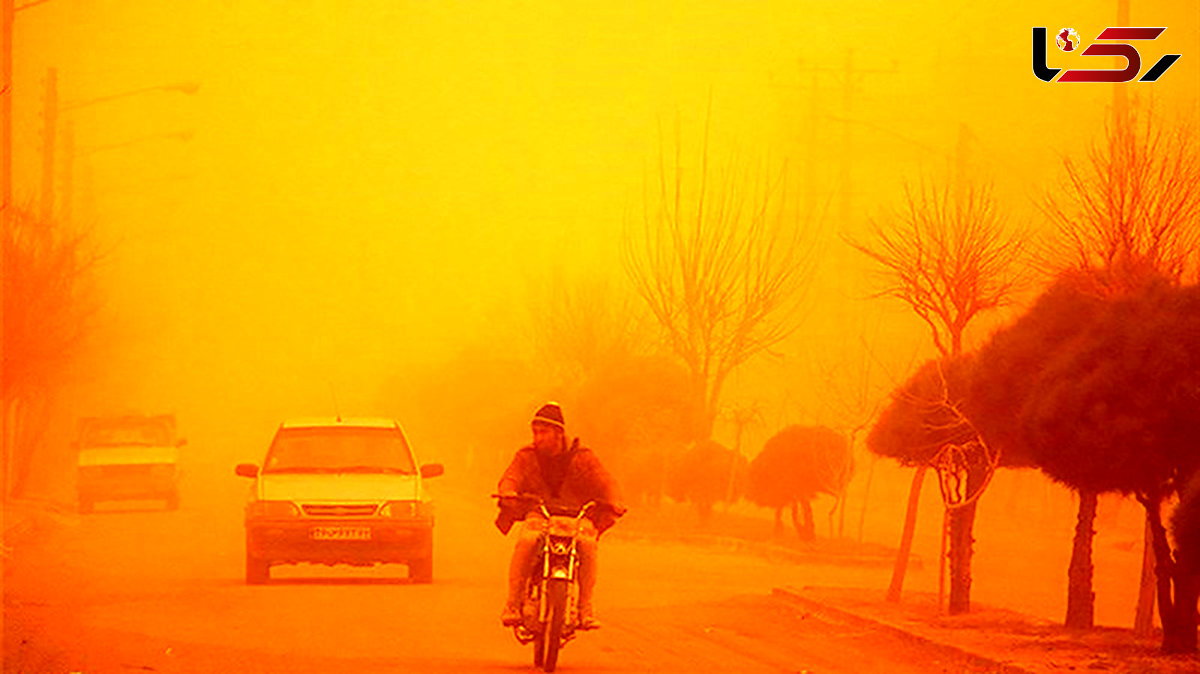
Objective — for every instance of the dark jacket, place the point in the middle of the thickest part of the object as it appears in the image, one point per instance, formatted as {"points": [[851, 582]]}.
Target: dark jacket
{"points": [[569, 480]]}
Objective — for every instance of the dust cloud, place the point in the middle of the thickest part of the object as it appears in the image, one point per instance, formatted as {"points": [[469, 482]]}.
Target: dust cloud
{"points": [[369, 209]]}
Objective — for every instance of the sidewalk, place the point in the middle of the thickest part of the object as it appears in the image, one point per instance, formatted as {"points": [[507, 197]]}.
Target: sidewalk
{"points": [[21, 518], [997, 639]]}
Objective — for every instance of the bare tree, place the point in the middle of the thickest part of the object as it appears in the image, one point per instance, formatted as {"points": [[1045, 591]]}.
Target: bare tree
{"points": [[722, 264], [629, 399], [45, 313], [949, 255], [581, 325], [854, 400], [1132, 209]]}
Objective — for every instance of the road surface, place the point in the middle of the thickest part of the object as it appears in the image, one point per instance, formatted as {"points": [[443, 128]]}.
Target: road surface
{"points": [[138, 589]]}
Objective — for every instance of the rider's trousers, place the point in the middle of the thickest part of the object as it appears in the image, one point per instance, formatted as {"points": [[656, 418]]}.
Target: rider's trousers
{"points": [[523, 559]]}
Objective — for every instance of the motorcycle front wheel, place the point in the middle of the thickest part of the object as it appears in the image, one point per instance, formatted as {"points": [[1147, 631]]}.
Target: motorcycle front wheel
{"points": [[539, 649], [556, 595]]}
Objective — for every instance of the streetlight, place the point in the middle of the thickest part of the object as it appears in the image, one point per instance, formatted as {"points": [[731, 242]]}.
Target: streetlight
{"points": [[53, 110], [70, 154], [180, 87]]}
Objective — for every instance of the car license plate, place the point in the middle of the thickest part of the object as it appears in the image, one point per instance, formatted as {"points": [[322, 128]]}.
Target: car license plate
{"points": [[341, 533]]}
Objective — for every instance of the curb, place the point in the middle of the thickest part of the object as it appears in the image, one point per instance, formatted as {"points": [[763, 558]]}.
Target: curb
{"points": [[766, 549], [795, 597]]}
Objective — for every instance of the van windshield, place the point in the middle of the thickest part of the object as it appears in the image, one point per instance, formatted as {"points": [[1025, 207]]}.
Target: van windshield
{"points": [[126, 432]]}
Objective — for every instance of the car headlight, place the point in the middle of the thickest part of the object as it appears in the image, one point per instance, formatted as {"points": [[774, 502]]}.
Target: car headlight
{"points": [[272, 509], [407, 509]]}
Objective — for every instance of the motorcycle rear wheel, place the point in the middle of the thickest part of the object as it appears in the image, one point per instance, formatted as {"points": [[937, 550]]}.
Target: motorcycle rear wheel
{"points": [[556, 594]]}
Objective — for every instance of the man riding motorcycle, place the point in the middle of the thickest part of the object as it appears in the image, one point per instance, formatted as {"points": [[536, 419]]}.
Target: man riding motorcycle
{"points": [[561, 475]]}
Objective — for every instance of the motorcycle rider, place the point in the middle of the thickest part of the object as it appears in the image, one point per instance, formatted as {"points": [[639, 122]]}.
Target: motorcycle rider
{"points": [[562, 475]]}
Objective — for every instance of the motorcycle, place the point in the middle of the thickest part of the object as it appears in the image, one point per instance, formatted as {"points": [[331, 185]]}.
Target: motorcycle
{"points": [[550, 613]]}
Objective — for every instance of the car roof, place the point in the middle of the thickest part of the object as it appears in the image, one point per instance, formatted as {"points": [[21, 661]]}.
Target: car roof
{"points": [[340, 422]]}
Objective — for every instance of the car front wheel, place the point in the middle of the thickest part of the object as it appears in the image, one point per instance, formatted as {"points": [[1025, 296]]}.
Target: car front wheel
{"points": [[258, 571], [420, 570]]}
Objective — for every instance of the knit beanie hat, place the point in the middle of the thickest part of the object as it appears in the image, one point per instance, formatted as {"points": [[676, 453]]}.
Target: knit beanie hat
{"points": [[550, 414]]}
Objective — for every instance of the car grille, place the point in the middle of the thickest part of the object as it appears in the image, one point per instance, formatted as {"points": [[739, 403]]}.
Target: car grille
{"points": [[340, 509], [125, 471]]}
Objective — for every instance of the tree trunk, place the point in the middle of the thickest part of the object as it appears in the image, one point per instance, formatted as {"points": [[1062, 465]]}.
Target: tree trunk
{"points": [[1081, 599], [962, 520], [810, 530], [1143, 620], [906, 536], [962, 540], [1187, 594], [862, 514], [1174, 640]]}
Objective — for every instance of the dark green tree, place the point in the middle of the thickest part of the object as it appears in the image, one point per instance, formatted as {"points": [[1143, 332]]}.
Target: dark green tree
{"points": [[794, 466], [1119, 410], [925, 424], [1007, 367], [702, 474]]}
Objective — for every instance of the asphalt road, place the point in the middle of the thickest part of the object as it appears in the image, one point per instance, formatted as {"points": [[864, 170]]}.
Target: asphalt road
{"points": [[138, 589]]}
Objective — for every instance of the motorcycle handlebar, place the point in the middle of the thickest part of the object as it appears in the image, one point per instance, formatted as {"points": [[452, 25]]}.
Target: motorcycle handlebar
{"points": [[541, 503]]}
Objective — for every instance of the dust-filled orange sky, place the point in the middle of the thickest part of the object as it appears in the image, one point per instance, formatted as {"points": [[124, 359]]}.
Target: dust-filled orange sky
{"points": [[364, 188]]}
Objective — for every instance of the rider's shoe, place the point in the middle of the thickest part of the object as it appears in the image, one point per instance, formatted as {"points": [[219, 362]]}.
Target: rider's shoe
{"points": [[511, 617], [587, 619]]}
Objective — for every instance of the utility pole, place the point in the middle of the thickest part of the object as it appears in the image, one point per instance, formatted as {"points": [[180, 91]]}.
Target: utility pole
{"points": [[6, 207], [6, 88], [849, 74], [49, 136], [1120, 93]]}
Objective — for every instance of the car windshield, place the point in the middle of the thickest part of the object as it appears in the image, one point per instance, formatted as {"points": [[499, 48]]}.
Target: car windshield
{"points": [[339, 450], [145, 433]]}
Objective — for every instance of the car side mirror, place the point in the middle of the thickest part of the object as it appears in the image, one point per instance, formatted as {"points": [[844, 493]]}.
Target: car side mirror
{"points": [[246, 470], [432, 470], [181, 442]]}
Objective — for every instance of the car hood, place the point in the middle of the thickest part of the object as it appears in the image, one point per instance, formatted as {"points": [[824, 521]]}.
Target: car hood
{"points": [[127, 455], [338, 487]]}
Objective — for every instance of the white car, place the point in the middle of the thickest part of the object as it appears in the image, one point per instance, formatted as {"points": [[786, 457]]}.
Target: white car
{"points": [[339, 491], [129, 456]]}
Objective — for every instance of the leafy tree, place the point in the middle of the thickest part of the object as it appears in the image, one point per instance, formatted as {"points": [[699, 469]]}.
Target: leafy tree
{"points": [[702, 477], [1120, 411], [950, 255], [1126, 215], [1007, 368], [926, 424], [722, 262], [794, 466]]}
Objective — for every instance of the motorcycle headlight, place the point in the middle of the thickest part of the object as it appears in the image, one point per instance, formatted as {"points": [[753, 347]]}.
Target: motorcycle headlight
{"points": [[407, 509], [272, 509]]}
